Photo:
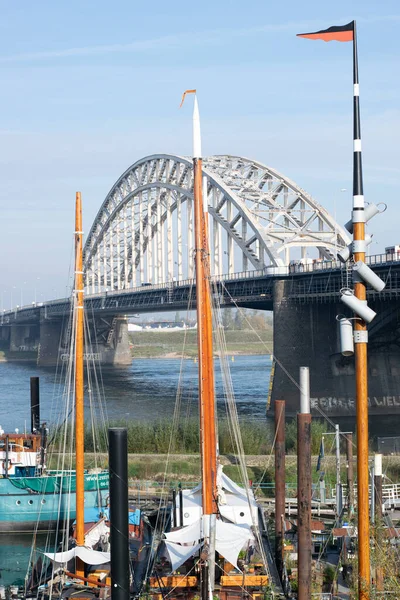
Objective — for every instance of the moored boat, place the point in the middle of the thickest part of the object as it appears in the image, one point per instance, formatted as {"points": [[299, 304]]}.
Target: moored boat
{"points": [[218, 545], [63, 566], [33, 498]]}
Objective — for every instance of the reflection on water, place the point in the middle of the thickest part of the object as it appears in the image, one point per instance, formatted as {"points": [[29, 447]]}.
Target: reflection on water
{"points": [[15, 556], [146, 390]]}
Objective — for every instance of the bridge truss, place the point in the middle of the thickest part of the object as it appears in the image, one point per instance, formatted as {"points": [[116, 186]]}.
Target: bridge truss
{"points": [[258, 220]]}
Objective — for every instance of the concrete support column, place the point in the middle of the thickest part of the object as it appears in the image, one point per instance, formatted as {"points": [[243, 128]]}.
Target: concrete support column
{"points": [[19, 337], [49, 345], [115, 351], [5, 336], [307, 332]]}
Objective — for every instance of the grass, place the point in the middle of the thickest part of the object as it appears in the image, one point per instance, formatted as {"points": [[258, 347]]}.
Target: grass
{"points": [[154, 437], [151, 344], [149, 447]]}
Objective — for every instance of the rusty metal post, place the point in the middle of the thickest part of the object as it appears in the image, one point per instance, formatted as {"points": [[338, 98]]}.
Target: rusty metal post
{"points": [[304, 488], [279, 482], [350, 473], [378, 516]]}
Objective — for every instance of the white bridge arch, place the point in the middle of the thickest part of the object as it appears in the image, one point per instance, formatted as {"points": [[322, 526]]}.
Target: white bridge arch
{"points": [[258, 218]]}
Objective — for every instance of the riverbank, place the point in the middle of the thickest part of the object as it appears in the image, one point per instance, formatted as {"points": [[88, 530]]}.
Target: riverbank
{"points": [[162, 343], [17, 356], [172, 469]]}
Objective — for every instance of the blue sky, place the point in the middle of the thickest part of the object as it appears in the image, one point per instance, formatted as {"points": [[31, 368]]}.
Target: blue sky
{"points": [[89, 87]]}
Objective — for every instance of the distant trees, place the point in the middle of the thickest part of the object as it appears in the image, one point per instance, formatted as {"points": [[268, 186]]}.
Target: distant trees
{"points": [[246, 318]]}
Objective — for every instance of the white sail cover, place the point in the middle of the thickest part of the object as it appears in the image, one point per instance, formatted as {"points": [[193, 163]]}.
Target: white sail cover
{"points": [[235, 504], [93, 536], [179, 554], [229, 540], [87, 555], [190, 534]]}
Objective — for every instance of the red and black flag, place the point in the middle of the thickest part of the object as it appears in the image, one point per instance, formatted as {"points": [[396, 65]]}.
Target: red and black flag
{"points": [[347, 33], [338, 33]]}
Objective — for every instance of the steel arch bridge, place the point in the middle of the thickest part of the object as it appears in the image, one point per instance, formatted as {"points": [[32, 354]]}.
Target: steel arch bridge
{"points": [[258, 219]]}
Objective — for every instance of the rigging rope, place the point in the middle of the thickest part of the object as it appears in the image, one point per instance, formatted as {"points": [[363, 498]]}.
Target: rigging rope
{"points": [[233, 417], [174, 428], [270, 351]]}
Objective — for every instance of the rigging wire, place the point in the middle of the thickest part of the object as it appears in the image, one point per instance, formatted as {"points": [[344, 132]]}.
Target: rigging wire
{"points": [[281, 365], [63, 433], [234, 419], [171, 446]]}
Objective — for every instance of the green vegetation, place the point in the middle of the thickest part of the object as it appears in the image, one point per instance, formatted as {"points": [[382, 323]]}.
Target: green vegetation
{"points": [[150, 343], [149, 447], [317, 429], [154, 437]]}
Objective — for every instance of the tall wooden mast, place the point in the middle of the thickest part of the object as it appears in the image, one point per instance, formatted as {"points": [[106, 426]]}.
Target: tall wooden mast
{"points": [[79, 406], [361, 339], [204, 329]]}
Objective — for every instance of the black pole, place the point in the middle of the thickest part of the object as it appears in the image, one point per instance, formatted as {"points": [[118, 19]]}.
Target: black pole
{"points": [[6, 461], [43, 444], [35, 405], [174, 506], [358, 188], [119, 528], [180, 506]]}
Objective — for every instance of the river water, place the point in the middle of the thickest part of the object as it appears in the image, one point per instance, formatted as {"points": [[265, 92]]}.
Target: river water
{"points": [[145, 391]]}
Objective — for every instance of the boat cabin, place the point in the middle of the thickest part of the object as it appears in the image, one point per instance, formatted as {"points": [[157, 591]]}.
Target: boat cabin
{"points": [[20, 454]]}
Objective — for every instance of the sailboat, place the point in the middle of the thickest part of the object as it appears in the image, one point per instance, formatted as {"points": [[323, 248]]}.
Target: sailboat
{"points": [[32, 497], [76, 554], [215, 523]]}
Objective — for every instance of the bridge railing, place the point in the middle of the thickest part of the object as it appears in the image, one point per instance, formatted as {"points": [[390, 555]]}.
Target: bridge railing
{"points": [[145, 287], [299, 267], [333, 265]]}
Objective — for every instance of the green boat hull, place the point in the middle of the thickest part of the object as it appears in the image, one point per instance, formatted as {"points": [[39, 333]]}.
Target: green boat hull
{"points": [[45, 503]]}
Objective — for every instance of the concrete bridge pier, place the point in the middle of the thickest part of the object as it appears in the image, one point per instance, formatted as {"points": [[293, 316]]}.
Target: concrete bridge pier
{"points": [[4, 336], [112, 341], [20, 338], [306, 333], [108, 335], [49, 342]]}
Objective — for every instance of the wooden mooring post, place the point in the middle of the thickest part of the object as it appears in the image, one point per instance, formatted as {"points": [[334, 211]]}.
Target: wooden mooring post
{"points": [[304, 488], [279, 482]]}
